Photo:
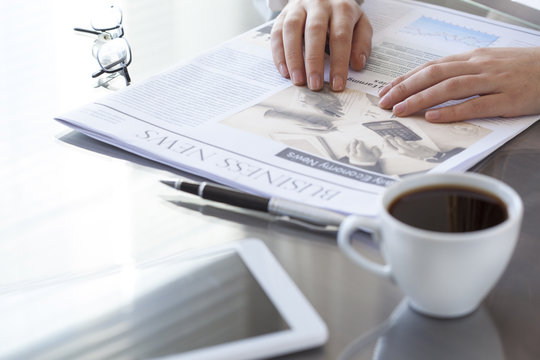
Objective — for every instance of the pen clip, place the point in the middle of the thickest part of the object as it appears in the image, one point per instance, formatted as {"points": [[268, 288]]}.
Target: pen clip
{"points": [[330, 229]]}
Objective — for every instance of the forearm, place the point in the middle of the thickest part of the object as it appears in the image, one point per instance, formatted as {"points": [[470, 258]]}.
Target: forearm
{"points": [[278, 5]]}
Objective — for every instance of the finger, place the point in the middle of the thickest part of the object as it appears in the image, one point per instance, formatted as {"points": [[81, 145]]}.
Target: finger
{"points": [[361, 43], [293, 33], [315, 40], [444, 60], [479, 107], [376, 151], [424, 79], [401, 144], [351, 147], [361, 147], [341, 34], [456, 88], [276, 41], [391, 141]]}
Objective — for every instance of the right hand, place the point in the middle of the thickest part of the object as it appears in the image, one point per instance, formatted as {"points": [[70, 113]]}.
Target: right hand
{"points": [[409, 148], [497, 82]]}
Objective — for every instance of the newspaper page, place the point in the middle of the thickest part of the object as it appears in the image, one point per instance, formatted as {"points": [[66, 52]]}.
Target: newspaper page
{"points": [[229, 116]]}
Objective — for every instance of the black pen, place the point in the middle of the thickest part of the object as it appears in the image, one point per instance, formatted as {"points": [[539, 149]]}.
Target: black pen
{"points": [[273, 205]]}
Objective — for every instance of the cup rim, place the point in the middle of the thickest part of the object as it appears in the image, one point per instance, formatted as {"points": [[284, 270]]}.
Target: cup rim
{"points": [[509, 197]]}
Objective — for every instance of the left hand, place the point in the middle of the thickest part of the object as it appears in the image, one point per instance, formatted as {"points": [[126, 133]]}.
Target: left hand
{"points": [[307, 24], [359, 154], [501, 81]]}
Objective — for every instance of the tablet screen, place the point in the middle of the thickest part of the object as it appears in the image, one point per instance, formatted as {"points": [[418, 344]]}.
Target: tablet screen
{"points": [[172, 307], [217, 301]]}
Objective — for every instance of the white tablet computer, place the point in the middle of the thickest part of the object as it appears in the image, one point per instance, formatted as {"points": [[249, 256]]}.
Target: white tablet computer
{"points": [[227, 302], [243, 305]]}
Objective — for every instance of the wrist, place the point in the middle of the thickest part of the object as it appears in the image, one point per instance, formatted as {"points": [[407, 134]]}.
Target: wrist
{"points": [[278, 5]]}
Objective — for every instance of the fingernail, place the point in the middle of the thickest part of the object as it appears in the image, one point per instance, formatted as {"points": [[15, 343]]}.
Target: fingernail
{"points": [[385, 89], [337, 83], [432, 115], [283, 70], [297, 77], [400, 108], [385, 101], [315, 82], [364, 61]]}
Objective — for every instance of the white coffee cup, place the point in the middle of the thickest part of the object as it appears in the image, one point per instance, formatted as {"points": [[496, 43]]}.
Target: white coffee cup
{"points": [[443, 274]]}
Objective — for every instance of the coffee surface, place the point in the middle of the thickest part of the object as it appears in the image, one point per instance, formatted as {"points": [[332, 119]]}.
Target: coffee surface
{"points": [[449, 209]]}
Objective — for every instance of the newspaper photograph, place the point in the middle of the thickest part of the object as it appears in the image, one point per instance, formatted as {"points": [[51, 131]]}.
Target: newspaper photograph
{"points": [[350, 128]]}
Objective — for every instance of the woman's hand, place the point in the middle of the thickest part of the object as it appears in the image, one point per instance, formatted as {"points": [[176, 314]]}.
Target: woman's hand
{"points": [[499, 82], [359, 154], [308, 23], [411, 149]]}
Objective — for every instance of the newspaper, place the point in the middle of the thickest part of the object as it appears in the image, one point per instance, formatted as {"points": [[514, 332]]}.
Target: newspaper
{"points": [[229, 116]]}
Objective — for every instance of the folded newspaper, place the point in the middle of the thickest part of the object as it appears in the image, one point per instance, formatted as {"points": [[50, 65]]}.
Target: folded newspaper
{"points": [[229, 116]]}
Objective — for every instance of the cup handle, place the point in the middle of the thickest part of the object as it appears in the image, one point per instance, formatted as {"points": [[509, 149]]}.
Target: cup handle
{"points": [[346, 229]]}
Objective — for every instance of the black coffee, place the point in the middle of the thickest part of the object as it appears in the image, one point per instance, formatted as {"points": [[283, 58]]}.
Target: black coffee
{"points": [[449, 209]]}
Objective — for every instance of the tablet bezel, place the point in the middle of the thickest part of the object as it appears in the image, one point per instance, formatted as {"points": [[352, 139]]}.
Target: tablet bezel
{"points": [[307, 329]]}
